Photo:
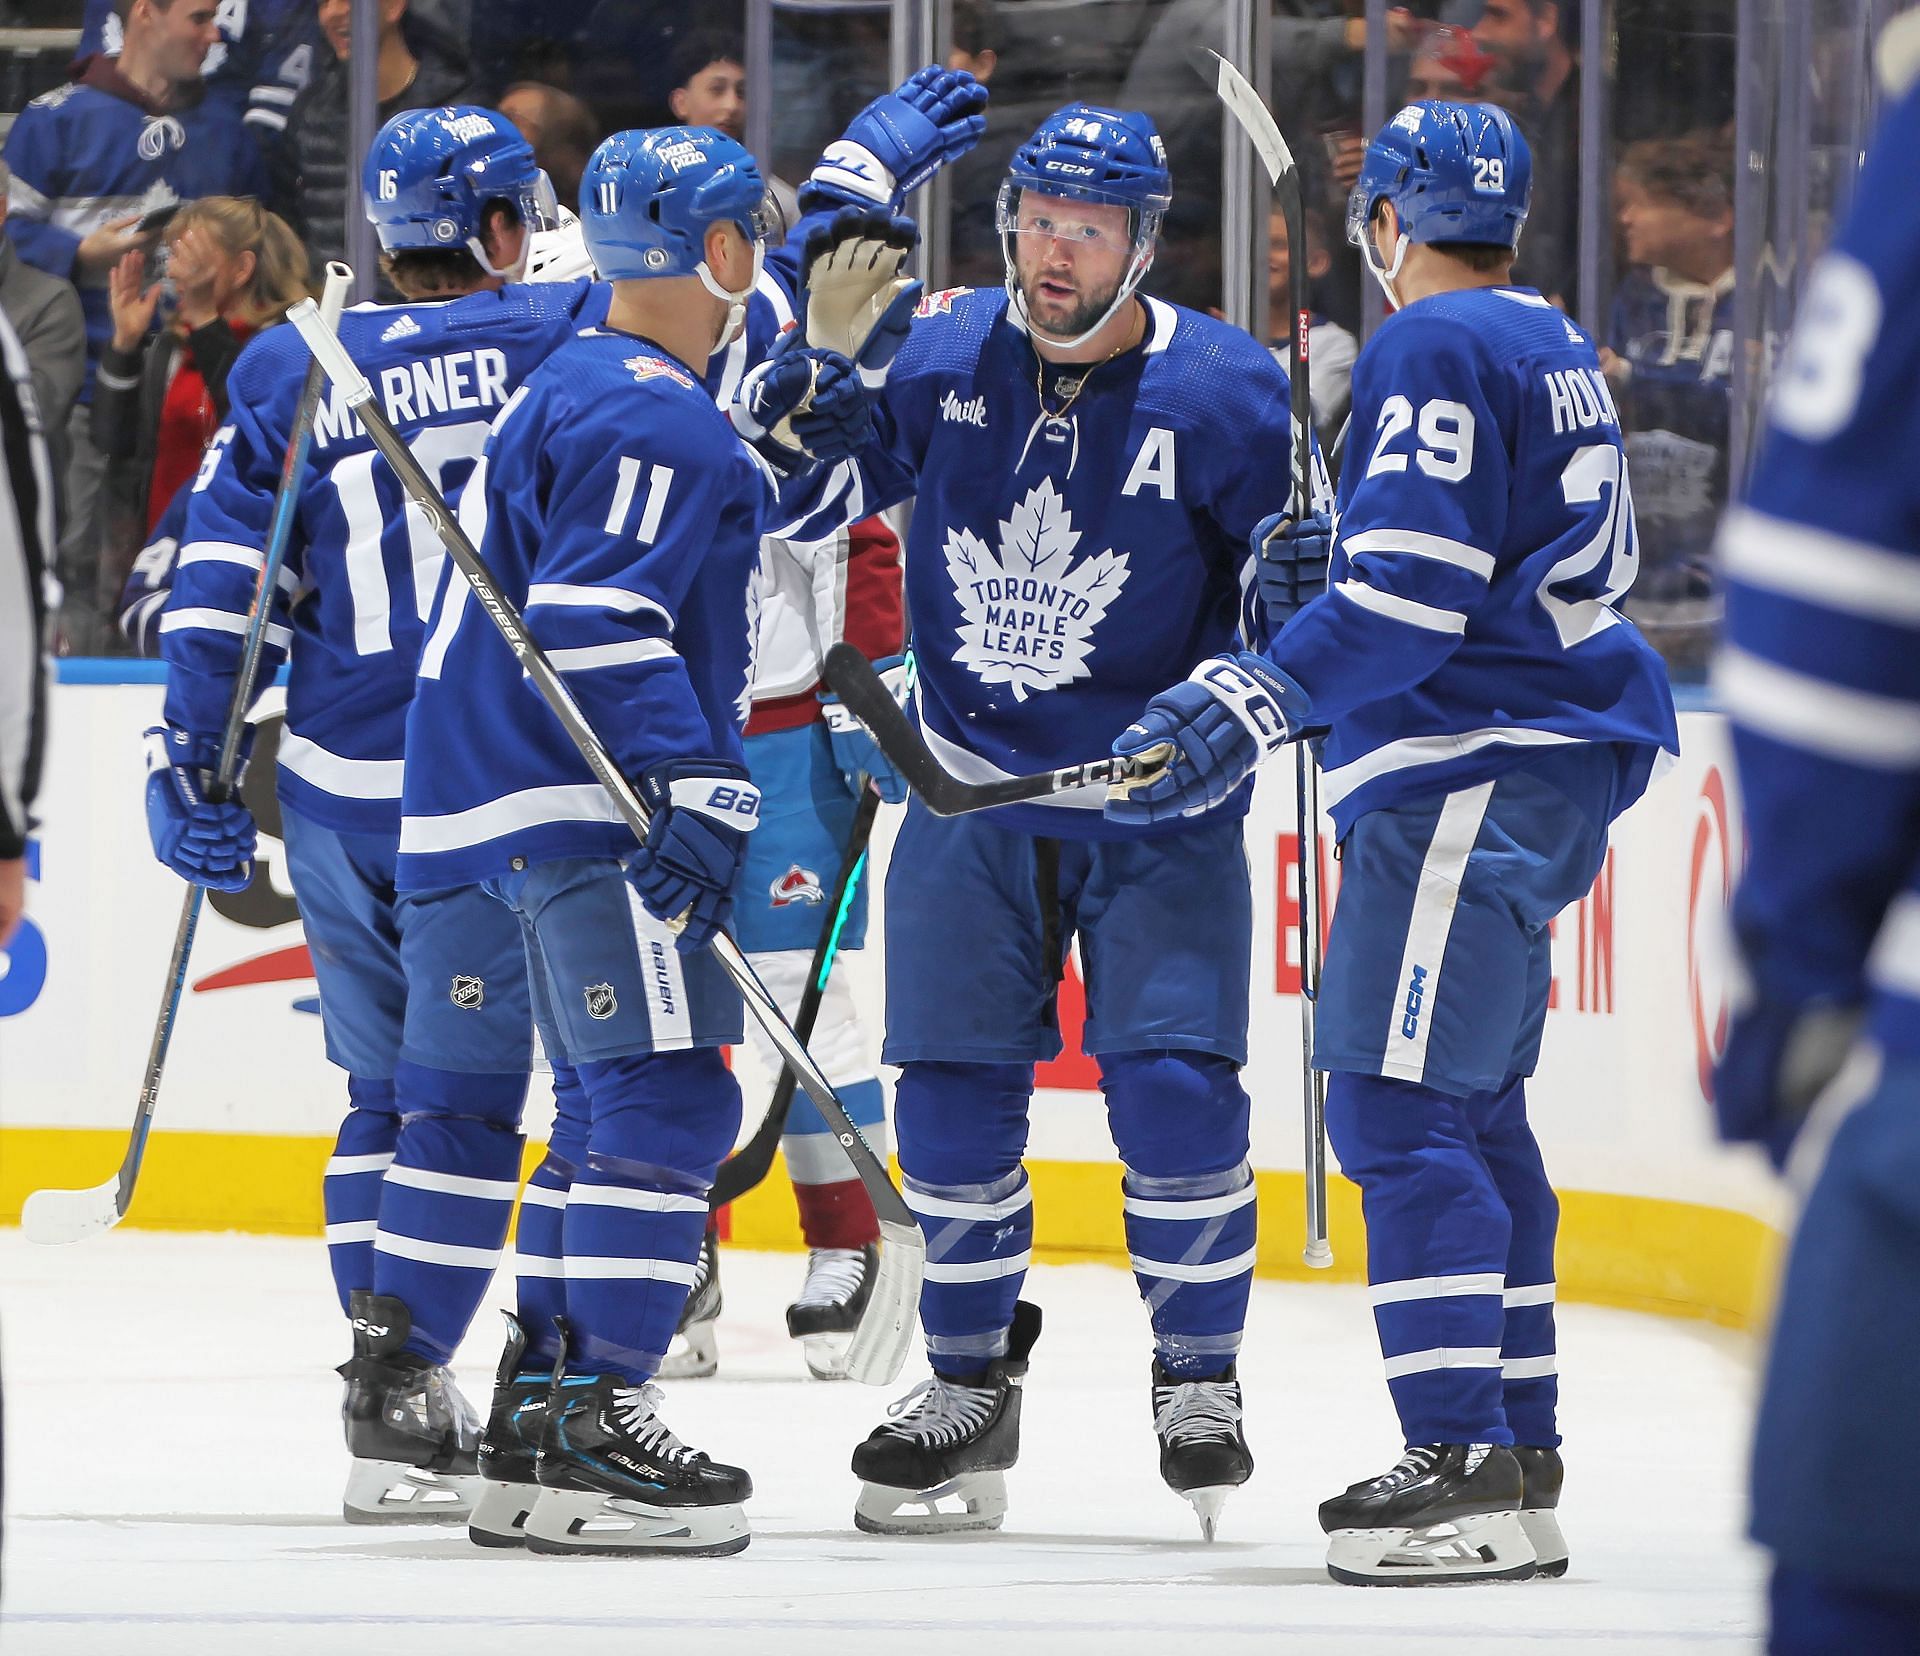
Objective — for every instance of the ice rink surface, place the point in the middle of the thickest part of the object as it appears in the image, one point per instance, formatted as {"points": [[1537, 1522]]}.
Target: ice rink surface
{"points": [[174, 1466]]}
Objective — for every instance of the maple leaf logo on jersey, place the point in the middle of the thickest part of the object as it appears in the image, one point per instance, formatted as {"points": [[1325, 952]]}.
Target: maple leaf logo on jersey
{"points": [[653, 367], [1030, 611]]}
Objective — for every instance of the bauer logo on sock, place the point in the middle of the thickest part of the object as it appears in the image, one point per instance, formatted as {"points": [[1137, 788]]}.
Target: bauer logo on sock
{"points": [[601, 1001], [468, 993]]}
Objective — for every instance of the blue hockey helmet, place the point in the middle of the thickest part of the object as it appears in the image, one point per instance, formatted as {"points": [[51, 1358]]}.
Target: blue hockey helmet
{"points": [[1454, 172], [1086, 153], [648, 198], [431, 174]]}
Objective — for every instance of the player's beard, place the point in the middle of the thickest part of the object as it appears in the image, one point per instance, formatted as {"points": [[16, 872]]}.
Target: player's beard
{"points": [[1086, 314]]}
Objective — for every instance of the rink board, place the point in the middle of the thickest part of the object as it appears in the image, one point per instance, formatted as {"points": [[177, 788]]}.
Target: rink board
{"points": [[1657, 1216]]}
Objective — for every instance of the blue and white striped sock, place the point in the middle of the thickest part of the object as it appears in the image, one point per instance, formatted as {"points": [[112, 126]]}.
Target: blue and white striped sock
{"points": [[979, 1244], [1192, 1246], [350, 1189], [632, 1242]]}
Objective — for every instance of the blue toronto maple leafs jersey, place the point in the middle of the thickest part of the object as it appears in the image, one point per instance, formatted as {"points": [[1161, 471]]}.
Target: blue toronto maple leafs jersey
{"points": [[82, 157], [616, 507], [363, 565], [232, 62], [1820, 668], [1060, 572], [1485, 536]]}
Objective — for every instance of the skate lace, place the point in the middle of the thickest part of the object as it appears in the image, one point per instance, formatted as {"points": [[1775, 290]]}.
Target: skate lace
{"points": [[938, 1412], [1417, 1462], [702, 1271], [834, 1276], [637, 1408], [1196, 1409]]}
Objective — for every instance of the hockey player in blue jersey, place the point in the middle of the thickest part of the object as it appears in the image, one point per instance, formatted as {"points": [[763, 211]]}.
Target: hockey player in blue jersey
{"points": [[1818, 675], [621, 510], [1487, 714], [423, 995], [1079, 536]]}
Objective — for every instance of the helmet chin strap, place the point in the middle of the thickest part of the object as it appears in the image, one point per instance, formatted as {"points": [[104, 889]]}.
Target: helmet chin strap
{"points": [[736, 303], [1386, 274], [1017, 300]]}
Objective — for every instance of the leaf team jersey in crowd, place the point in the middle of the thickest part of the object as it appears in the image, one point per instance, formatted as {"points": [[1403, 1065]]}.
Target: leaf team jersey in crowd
{"points": [[630, 547], [250, 35], [1485, 534], [96, 150], [1060, 571], [363, 565]]}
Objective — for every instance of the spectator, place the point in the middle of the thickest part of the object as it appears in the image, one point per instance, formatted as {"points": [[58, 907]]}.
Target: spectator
{"points": [[234, 268], [978, 39], [561, 129], [45, 313], [1669, 357], [1331, 349], [316, 175], [710, 89], [26, 537], [1535, 77], [232, 63], [1448, 64], [129, 134]]}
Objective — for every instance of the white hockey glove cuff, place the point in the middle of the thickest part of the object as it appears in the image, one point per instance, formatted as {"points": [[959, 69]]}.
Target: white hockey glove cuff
{"points": [[851, 169], [1264, 701]]}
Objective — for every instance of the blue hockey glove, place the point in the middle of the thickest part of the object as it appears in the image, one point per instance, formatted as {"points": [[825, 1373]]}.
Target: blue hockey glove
{"points": [[1291, 559], [899, 141], [703, 810], [860, 301], [1779, 1058], [856, 754], [802, 406], [1230, 713], [204, 843]]}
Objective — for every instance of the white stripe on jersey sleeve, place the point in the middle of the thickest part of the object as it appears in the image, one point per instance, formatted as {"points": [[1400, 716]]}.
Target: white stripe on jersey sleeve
{"points": [[585, 656], [336, 774], [1855, 726], [511, 813], [213, 620], [1894, 961], [1418, 545], [1831, 571], [617, 600], [250, 558], [1406, 610], [1412, 751]]}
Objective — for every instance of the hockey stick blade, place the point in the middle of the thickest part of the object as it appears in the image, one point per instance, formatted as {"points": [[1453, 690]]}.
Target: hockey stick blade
{"points": [[54, 1218], [1237, 93], [878, 1350], [856, 683]]}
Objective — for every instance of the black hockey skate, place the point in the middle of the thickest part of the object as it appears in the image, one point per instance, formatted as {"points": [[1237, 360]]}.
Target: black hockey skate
{"points": [[412, 1436], [947, 1442], [1448, 1512], [839, 1283], [1203, 1451], [613, 1479], [1541, 1474], [515, 1425], [695, 1352]]}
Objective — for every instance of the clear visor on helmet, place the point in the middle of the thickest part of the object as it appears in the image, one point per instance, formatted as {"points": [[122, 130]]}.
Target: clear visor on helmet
{"points": [[539, 205], [1359, 210], [1083, 224], [767, 223]]}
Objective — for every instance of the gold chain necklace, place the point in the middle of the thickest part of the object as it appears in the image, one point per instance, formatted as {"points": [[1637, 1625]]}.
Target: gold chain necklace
{"points": [[1040, 376]]}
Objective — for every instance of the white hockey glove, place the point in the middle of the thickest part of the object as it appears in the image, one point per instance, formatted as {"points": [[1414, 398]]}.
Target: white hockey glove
{"points": [[860, 301], [559, 254]]}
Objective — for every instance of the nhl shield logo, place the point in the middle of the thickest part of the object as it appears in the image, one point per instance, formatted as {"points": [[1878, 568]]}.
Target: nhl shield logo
{"points": [[468, 993], [797, 885], [601, 1002]]}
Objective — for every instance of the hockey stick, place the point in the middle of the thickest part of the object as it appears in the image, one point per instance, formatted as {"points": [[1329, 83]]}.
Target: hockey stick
{"points": [[53, 1217], [856, 683], [1254, 117], [748, 1165], [881, 1342]]}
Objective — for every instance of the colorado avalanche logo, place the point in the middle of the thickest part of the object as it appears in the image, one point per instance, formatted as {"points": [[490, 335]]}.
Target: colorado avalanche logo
{"points": [[653, 367], [941, 303], [797, 885], [1030, 612]]}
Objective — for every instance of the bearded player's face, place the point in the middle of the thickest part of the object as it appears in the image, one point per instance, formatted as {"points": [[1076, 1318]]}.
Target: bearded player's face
{"points": [[1069, 258]]}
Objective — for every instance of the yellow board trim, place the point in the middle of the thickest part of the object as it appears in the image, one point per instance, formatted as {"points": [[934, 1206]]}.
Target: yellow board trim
{"points": [[1640, 1252]]}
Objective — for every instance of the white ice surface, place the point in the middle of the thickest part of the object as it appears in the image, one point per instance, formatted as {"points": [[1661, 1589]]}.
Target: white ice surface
{"points": [[174, 1466]]}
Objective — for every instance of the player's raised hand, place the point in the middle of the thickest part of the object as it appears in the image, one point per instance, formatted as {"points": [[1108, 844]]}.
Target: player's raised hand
{"points": [[207, 844], [802, 406], [899, 140], [703, 810], [856, 755], [1230, 713], [860, 301], [1291, 556]]}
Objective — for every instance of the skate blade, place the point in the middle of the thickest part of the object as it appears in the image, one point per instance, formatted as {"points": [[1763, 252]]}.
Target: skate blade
{"points": [[1488, 1546], [694, 1354], [584, 1521], [981, 1499], [500, 1515], [1550, 1546], [826, 1354], [392, 1492], [1207, 1502]]}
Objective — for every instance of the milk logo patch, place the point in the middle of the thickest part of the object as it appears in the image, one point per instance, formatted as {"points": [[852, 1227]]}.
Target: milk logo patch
{"points": [[468, 993], [1030, 610], [601, 1001], [797, 885]]}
